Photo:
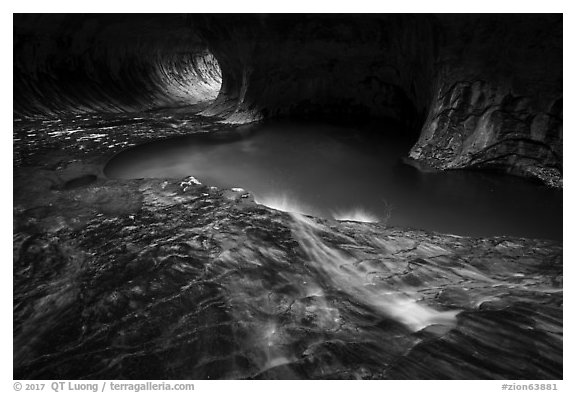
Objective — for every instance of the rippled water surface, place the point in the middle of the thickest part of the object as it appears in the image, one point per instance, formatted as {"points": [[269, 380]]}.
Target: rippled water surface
{"points": [[347, 173]]}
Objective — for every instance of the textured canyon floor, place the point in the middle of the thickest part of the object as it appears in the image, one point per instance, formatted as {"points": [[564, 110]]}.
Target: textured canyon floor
{"points": [[169, 279]]}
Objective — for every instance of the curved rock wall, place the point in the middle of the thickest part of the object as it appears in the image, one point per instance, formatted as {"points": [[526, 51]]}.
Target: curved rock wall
{"points": [[329, 66], [108, 63], [485, 90], [498, 97]]}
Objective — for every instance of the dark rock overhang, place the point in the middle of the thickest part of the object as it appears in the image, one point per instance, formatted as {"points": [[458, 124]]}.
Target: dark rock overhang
{"points": [[481, 90]]}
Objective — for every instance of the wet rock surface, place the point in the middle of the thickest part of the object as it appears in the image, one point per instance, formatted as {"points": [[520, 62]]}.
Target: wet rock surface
{"points": [[480, 90], [167, 278], [114, 63], [498, 98]]}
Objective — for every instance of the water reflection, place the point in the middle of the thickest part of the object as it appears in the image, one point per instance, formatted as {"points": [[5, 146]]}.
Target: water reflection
{"points": [[344, 173]]}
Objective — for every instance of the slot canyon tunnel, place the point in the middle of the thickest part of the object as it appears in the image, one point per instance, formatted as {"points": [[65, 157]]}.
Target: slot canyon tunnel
{"points": [[162, 276]]}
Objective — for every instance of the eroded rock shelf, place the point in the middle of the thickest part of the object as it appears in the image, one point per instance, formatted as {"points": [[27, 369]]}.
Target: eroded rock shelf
{"points": [[158, 278], [168, 278]]}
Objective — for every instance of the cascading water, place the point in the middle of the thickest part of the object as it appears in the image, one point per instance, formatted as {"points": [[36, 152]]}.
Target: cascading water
{"points": [[397, 302], [159, 265]]}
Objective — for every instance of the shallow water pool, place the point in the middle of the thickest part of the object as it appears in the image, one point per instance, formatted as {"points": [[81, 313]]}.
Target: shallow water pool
{"points": [[347, 173]]}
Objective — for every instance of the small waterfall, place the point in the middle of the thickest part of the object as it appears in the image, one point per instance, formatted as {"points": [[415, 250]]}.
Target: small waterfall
{"points": [[338, 270], [283, 202], [356, 214]]}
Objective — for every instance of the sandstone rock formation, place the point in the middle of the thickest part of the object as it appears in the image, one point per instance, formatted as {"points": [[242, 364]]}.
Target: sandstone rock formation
{"points": [[154, 278], [170, 279], [481, 91]]}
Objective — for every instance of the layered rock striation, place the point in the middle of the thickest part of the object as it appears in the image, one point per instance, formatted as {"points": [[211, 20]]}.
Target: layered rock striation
{"points": [[66, 64], [498, 98], [171, 279], [478, 91]]}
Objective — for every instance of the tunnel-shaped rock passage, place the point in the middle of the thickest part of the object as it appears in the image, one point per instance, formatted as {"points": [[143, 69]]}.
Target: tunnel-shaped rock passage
{"points": [[167, 278], [121, 70], [480, 91]]}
